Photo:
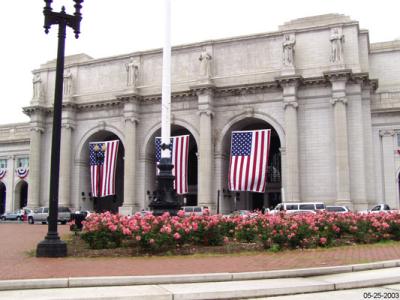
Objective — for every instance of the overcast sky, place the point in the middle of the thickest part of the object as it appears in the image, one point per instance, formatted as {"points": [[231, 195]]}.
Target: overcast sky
{"points": [[122, 26]]}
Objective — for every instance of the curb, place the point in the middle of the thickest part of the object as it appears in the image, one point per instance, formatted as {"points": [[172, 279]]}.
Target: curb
{"points": [[77, 282]]}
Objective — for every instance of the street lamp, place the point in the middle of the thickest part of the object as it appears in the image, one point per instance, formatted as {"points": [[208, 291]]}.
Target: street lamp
{"points": [[52, 246]]}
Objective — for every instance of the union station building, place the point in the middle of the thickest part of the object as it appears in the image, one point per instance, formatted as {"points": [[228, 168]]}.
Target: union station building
{"points": [[330, 97]]}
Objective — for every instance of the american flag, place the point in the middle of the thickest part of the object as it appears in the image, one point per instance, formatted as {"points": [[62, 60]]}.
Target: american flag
{"points": [[249, 160], [103, 161], [180, 154]]}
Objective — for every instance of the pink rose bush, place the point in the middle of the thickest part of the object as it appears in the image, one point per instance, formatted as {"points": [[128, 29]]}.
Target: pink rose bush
{"points": [[280, 231]]}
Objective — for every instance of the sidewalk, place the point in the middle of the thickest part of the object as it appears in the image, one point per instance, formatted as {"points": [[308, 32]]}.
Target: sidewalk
{"points": [[209, 286]]}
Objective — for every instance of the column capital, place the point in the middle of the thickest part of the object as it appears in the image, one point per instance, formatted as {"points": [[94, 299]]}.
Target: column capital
{"points": [[207, 112], [133, 120], [293, 104], [343, 100], [68, 126], [37, 129], [386, 132]]}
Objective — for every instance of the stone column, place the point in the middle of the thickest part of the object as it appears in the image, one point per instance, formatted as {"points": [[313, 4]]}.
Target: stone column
{"points": [[341, 151], [65, 166], [130, 204], [388, 164], [206, 193], [36, 113], [35, 166], [292, 182], [338, 81]]}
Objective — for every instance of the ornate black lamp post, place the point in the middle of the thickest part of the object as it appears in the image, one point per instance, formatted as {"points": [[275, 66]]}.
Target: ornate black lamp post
{"points": [[52, 246]]}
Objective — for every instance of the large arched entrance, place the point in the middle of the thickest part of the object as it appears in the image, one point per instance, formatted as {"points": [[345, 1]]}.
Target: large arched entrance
{"points": [[108, 203], [21, 194], [176, 130], [2, 198], [250, 200]]}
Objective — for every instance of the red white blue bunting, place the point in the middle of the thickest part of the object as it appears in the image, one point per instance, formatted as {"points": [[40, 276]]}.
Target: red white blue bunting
{"points": [[22, 172], [2, 173]]}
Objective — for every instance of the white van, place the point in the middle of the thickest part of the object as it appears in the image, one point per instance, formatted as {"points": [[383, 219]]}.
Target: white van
{"points": [[189, 210], [296, 207]]}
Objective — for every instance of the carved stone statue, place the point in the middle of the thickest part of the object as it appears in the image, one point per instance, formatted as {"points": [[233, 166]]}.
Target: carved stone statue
{"points": [[205, 65], [337, 40], [132, 70], [67, 86], [288, 50], [37, 86]]}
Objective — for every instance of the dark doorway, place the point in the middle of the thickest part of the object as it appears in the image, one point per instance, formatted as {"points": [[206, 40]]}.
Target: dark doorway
{"points": [[2, 198], [23, 196], [113, 202]]}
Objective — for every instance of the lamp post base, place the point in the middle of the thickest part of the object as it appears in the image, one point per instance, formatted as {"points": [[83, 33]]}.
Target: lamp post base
{"points": [[51, 248], [165, 199]]}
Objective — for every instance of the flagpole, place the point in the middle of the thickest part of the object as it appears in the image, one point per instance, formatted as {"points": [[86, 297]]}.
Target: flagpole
{"points": [[166, 83], [166, 199]]}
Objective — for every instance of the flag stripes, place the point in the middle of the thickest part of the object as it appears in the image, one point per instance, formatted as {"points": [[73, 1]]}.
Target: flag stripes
{"points": [[180, 155], [103, 161], [249, 160]]}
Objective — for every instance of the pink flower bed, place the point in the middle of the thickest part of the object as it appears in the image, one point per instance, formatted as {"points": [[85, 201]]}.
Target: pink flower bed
{"points": [[281, 231]]}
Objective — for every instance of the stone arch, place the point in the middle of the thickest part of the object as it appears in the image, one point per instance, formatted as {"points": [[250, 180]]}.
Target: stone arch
{"points": [[20, 194], [84, 199], [3, 194], [94, 130], [248, 200], [178, 127], [157, 126], [256, 115]]}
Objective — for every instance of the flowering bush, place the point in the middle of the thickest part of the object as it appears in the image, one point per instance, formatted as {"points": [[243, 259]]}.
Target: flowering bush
{"points": [[281, 231]]}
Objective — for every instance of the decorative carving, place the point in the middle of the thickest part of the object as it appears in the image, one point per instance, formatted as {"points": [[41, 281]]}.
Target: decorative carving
{"points": [[288, 46], [343, 100], [133, 120], [132, 69], [205, 65], [207, 112], [68, 126], [37, 129], [67, 86], [293, 104], [337, 40], [386, 132]]}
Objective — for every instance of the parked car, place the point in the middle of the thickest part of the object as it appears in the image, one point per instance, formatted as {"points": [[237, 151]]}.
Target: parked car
{"points": [[294, 207], [337, 209], [379, 208], [41, 214], [14, 215]]}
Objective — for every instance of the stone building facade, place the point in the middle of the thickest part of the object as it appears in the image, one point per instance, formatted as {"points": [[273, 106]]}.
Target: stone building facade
{"points": [[330, 97]]}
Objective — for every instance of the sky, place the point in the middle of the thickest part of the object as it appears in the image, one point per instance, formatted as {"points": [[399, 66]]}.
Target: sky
{"points": [[116, 27]]}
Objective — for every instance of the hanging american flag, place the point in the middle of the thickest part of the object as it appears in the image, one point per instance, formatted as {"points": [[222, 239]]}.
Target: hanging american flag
{"points": [[180, 154], [249, 160], [103, 162]]}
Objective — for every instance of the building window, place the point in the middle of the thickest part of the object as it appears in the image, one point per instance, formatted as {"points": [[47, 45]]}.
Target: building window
{"points": [[23, 162], [398, 139], [3, 163]]}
